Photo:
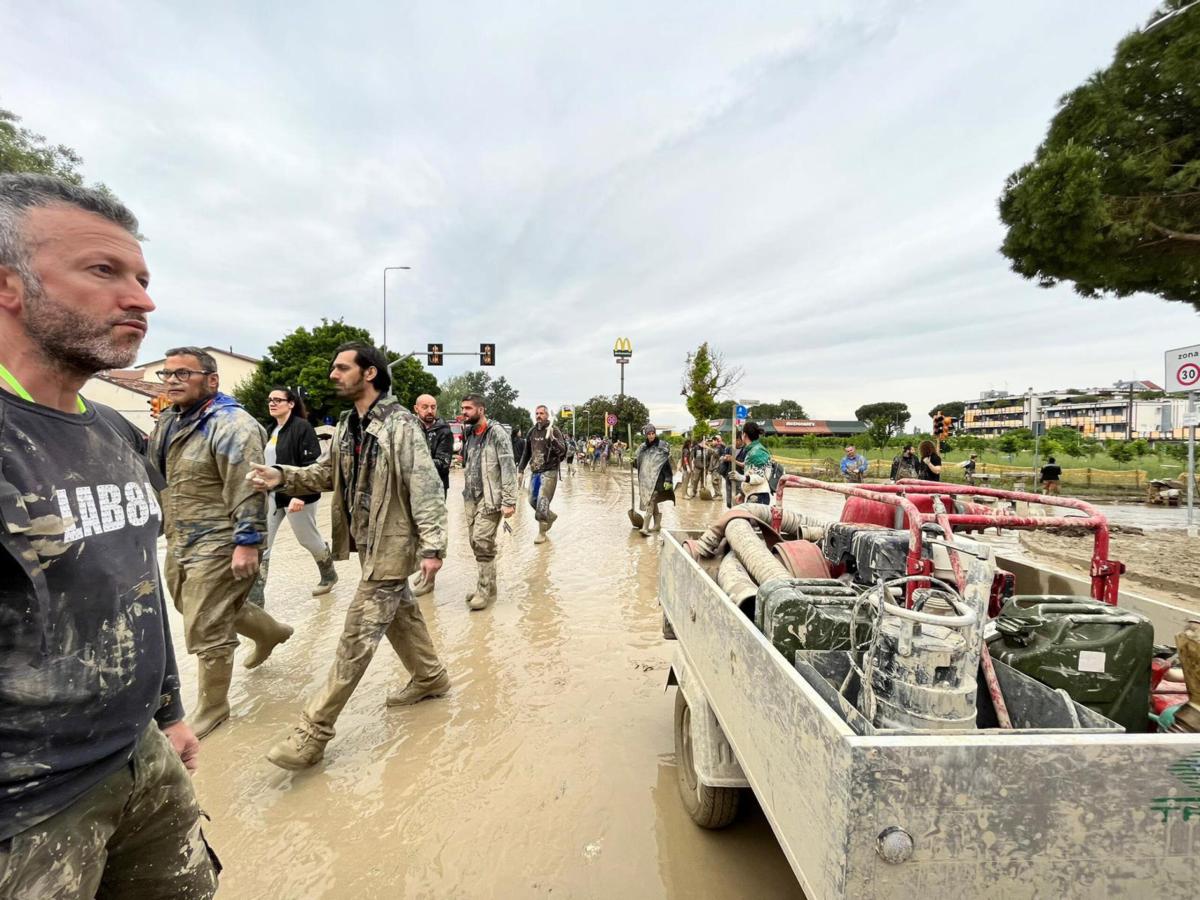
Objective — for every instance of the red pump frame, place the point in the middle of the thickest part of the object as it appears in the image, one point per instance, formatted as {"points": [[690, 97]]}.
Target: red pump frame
{"points": [[1105, 572]]}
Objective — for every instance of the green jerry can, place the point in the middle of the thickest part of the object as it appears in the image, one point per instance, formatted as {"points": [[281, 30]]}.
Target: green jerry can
{"points": [[1099, 654], [807, 614]]}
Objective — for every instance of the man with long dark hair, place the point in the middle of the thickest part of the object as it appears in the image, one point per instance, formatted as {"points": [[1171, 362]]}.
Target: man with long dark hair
{"points": [[388, 508]]}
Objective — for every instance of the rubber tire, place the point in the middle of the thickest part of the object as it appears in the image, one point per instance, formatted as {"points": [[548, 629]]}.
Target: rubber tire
{"points": [[708, 807]]}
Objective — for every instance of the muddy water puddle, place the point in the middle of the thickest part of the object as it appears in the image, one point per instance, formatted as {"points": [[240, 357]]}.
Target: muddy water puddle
{"points": [[548, 771]]}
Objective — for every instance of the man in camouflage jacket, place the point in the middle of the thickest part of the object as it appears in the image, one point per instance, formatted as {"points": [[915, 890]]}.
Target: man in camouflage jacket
{"points": [[389, 508], [215, 524]]}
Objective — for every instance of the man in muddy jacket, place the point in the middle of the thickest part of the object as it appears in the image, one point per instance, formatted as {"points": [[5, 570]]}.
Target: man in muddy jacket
{"points": [[215, 525], [489, 492], [388, 507], [544, 449]]}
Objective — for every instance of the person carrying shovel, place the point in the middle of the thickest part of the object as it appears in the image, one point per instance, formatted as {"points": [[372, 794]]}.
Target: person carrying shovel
{"points": [[654, 479]]}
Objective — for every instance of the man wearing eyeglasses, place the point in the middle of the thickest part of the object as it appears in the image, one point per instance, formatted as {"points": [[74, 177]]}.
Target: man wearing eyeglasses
{"points": [[216, 525]]}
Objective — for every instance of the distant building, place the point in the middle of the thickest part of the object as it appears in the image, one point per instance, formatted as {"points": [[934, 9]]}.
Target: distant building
{"points": [[1104, 413]]}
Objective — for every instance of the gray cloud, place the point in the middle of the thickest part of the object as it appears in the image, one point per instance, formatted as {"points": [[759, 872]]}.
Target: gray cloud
{"points": [[809, 186]]}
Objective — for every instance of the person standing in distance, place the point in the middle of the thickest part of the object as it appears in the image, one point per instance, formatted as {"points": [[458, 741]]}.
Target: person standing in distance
{"points": [[931, 463], [388, 507], [854, 465], [441, 447], [95, 799], [204, 445], [292, 441], [489, 492], [653, 468], [545, 448]]}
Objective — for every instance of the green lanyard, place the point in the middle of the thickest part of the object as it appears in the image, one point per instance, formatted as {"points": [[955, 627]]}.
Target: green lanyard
{"points": [[20, 391]]}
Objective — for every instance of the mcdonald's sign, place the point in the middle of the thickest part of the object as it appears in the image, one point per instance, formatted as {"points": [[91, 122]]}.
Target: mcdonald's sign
{"points": [[622, 349]]}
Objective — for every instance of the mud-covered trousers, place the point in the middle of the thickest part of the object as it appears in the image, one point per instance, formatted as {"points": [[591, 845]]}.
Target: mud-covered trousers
{"points": [[134, 836], [481, 532], [541, 494], [379, 608]]}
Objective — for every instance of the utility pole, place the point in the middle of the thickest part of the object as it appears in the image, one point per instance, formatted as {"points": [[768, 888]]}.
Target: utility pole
{"points": [[387, 269]]}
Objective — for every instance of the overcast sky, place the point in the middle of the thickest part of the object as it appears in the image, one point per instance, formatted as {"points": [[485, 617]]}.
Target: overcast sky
{"points": [[810, 186]]}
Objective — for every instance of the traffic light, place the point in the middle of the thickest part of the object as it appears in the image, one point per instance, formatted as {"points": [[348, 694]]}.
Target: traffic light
{"points": [[939, 424], [949, 427], [487, 354], [434, 354]]}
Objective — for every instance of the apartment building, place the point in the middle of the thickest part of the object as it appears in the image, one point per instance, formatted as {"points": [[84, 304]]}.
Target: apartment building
{"points": [[1104, 413]]}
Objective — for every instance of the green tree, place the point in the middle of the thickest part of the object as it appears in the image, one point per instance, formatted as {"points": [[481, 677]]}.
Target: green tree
{"points": [[1111, 200], [784, 409], [498, 394], [707, 378], [23, 151], [1009, 443], [1140, 447], [302, 360], [631, 413], [1120, 453], [883, 420], [955, 408]]}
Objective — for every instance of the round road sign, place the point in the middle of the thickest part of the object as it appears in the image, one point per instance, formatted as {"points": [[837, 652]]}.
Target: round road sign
{"points": [[1188, 374], [612, 420]]}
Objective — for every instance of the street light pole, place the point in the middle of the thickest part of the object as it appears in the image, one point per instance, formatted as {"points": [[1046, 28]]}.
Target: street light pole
{"points": [[387, 269]]}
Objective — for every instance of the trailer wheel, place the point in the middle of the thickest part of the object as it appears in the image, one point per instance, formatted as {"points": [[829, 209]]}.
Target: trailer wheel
{"points": [[709, 807]]}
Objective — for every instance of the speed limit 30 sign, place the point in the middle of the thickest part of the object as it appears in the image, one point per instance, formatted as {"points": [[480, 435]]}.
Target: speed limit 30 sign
{"points": [[1183, 369]]}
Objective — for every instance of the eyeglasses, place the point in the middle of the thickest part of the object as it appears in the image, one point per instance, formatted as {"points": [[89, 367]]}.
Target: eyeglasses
{"points": [[180, 374], [271, 400]]}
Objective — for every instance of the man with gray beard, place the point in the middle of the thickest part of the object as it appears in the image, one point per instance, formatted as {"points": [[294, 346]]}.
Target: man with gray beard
{"points": [[95, 799]]}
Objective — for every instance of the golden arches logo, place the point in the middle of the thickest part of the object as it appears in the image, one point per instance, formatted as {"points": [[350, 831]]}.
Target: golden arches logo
{"points": [[623, 349]]}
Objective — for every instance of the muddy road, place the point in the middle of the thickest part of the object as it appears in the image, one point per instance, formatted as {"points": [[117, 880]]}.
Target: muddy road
{"points": [[547, 771]]}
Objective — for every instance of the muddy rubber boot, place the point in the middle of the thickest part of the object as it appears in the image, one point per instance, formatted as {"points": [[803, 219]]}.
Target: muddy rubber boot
{"points": [[212, 706], [298, 750], [329, 575], [266, 633], [657, 526], [485, 590], [258, 593], [540, 538], [415, 691]]}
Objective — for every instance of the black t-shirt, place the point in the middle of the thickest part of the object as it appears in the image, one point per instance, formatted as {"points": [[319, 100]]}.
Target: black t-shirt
{"points": [[85, 655], [927, 474], [1051, 472]]}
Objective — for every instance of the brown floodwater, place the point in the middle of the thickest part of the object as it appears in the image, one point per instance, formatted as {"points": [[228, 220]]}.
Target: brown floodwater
{"points": [[547, 771]]}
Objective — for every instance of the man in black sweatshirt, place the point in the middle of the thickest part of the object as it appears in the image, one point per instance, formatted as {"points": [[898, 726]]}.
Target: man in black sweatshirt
{"points": [[544, 449], [95, 800]]}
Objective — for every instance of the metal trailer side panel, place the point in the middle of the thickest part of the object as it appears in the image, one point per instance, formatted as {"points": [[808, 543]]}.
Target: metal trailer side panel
{"points": [[790, 745], [1093, 816]]}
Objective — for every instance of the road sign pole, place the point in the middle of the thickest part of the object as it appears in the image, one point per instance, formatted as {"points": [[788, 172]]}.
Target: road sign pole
{"points": [[1191, 485]]}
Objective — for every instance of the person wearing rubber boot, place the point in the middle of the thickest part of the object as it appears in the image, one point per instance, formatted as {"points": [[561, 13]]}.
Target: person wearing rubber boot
{"points": [[544, 450], [653, 465], [388, 508], [95, 796], [292, 441], [441, 447], [489, 492], [216, 525]]}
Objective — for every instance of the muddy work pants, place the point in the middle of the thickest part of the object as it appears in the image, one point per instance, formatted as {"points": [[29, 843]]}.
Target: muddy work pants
{"points": [[379, 608], [210, 598], [134, 836], [541, 493], [481, 532]]}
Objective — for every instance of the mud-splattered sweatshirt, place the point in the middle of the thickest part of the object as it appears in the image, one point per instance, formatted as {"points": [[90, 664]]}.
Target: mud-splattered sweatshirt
{"points": [[86, 661]]}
